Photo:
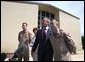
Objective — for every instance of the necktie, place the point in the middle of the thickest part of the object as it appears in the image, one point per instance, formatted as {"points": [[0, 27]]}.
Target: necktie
{"points": [[43, 35]]}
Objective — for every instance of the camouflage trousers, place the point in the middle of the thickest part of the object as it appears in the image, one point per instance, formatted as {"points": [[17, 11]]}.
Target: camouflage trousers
{"points": [[23, 52]]}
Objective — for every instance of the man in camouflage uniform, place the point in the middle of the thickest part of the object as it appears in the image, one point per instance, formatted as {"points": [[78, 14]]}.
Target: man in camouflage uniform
{"points": [[24, 39]]}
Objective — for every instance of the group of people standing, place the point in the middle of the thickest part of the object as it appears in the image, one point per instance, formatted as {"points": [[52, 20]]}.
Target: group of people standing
{"points": [[48, 43]]}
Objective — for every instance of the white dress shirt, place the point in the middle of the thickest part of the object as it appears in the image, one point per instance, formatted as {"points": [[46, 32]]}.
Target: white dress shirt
{"points": [[46, 29]]}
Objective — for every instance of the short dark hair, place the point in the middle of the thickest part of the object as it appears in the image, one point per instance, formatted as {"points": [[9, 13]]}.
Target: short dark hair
{"points": [[24, 23], [35, 29]]}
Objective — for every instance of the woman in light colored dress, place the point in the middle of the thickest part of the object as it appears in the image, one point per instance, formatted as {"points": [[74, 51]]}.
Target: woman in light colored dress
{"points": [[61, 52], [31, 44]]}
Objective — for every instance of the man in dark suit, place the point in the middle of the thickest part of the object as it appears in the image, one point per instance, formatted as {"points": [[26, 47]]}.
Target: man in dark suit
{"points": [[45, 50]]}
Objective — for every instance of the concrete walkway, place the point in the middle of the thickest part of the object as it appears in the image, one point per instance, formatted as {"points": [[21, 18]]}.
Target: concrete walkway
{"points": [[75, 57], [79, 56]]}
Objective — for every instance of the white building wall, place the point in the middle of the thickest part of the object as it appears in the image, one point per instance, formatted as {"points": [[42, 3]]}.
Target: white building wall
{"points": [[70, 25], [12, 17]]}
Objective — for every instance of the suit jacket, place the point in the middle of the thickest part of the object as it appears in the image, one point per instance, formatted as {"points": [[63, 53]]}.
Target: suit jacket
{"points": [[44, 43]]}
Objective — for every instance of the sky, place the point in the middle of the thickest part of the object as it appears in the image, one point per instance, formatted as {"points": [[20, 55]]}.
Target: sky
{"points": [[75, 8]]}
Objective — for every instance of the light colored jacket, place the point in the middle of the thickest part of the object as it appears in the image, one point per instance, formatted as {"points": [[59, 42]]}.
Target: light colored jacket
{"points": [[61, 52]]}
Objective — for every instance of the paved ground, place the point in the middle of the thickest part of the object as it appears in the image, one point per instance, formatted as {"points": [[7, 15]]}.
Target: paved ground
{"points": [[79, 56], [75, 57]]}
